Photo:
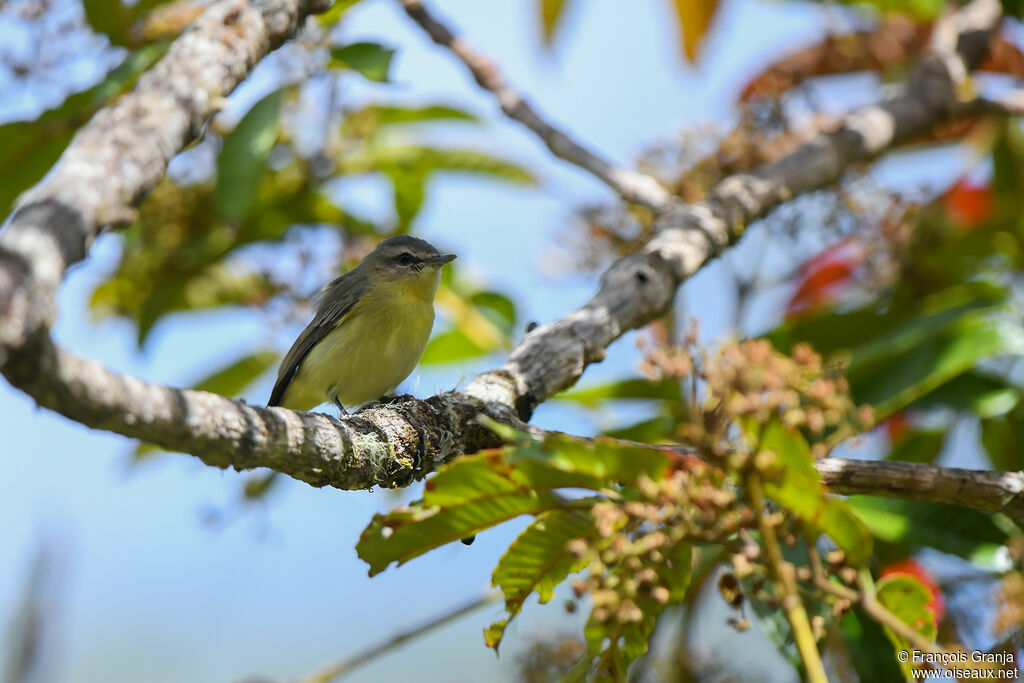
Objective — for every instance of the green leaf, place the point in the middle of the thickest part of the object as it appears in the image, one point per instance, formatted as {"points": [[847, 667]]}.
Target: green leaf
{"points": [[980, 393], [450, 347], [551, 13], [410, 191], [1003, 438], [908, 370], [665, 389], [392, 115], [476, 492], [243, 159], [908, 525], [655, 430], [896, 358], [464, 498], [335, 13], [607, 461], [798, 488], [919, 9], [871, 652], [908, 599], [537, 561], [110, 18], [28, 149], [372, 60], [211, 287], [259, 486], [233, 379], [921, 446], [504, 308]]}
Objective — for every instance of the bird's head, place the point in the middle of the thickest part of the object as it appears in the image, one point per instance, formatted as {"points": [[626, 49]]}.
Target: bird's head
{"points": [[407, 262]]}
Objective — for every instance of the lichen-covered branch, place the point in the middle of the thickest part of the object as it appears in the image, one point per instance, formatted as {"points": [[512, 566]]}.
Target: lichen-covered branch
{"points": [[123, 152], [119, 156], [641, 287]]}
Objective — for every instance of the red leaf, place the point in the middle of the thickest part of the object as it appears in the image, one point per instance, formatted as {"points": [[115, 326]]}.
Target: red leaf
{"points": [[896, 426], [824, 276], [969, 204]]}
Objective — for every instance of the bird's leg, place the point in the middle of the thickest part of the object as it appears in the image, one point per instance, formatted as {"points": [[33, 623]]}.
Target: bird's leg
{"points": [[341, 408]]}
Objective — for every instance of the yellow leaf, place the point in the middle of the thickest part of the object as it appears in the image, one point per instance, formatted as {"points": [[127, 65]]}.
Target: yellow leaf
{"points": [[551, 11], [694, 17]]}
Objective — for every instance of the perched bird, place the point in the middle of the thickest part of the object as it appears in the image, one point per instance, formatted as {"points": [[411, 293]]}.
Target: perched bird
{"points": [[369, 331]]}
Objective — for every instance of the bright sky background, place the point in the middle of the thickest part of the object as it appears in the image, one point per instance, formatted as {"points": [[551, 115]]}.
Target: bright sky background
{"points": [[147, 591]]}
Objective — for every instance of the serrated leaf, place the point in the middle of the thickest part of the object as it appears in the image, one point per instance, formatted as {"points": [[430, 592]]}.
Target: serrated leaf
{"points": [[601, 458], [476, 492], [798, 488], [243, 159], [372, 60], [537, 561], [464, 498]]}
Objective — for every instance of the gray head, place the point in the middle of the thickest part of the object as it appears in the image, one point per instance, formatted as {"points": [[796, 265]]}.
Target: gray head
{"points": [[405, 257]]}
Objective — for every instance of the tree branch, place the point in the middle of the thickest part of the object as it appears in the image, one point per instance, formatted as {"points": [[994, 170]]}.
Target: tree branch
{"points": [[979, 489], [124, 150], [119, 156], [629, 184]]}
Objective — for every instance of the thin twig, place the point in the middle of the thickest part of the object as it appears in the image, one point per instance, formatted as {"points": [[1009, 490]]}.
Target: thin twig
{"points": [[349, 664], [629, 184], [785, 582], [882, 615]]}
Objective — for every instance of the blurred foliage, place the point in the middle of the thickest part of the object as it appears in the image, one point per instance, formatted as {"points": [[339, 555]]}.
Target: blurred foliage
{"points": [[913, 317]]}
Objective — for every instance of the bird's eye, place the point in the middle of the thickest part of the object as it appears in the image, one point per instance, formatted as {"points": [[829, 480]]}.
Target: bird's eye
{"points": [[405, 259]]}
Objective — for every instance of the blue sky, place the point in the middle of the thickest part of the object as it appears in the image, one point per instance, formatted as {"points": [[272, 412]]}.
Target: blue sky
{"points": [[148, 591]]}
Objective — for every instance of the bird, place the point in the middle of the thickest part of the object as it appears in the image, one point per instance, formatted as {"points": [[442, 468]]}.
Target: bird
{"points": [[369, 331]]}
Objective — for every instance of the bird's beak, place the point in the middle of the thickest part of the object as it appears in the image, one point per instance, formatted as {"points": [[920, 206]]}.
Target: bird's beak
{"points": [[439, 260]]}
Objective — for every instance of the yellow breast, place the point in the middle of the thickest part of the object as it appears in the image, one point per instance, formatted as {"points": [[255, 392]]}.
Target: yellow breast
{"points": [[365, 357]]}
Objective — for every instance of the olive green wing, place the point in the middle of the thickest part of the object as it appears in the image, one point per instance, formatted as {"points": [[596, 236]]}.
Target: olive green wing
{"points": [[334, 302]]}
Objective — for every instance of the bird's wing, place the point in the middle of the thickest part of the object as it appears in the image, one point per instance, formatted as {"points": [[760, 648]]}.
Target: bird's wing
{"points": [[334, 302]]}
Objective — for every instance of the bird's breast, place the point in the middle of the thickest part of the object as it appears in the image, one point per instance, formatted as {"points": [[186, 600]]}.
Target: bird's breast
{"points": [[374, 348]]}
